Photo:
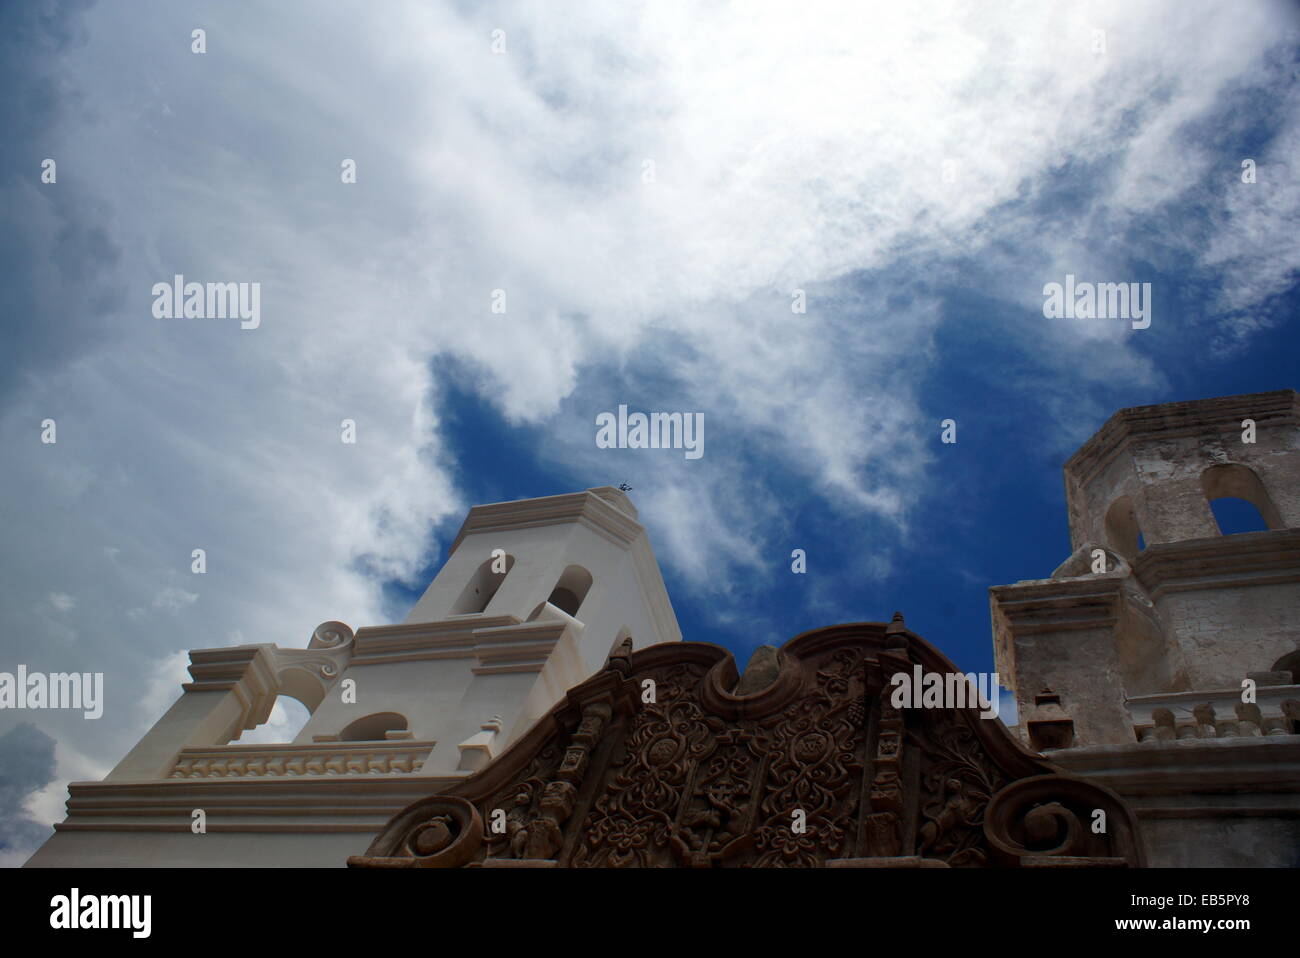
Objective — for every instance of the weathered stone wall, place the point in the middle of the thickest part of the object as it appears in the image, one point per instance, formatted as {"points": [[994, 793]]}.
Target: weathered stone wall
{"points": [[1226, 633]]}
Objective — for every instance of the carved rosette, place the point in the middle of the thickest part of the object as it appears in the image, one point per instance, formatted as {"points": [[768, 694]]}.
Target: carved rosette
{"points": [[815, 768]]}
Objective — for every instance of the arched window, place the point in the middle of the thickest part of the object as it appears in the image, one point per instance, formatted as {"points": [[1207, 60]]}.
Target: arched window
{"points": [[1238, 499], [483, 585], [1122, 531], [571, 590], [373, 728]]}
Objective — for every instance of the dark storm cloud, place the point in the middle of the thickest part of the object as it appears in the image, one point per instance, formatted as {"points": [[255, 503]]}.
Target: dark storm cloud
{"points": [[56, 249], [26, 766]]}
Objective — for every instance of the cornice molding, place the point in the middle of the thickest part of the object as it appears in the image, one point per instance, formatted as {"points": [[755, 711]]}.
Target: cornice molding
{"points": [[586, 507], [1228, 766], [1036, 606], [334, 803], [524, 647], [249, 671], [1217, 562], [451, 638], [499, 643], [1172, 420]]}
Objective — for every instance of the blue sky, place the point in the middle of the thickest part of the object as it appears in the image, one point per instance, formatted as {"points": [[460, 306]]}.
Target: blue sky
{"points": [[649, 183]]}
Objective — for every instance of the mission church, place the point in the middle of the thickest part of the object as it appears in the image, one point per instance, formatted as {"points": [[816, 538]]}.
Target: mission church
{"points": [[539, 707]]}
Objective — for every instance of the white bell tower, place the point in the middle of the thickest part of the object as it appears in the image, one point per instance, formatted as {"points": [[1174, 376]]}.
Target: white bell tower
{"points": [[533, 596]]}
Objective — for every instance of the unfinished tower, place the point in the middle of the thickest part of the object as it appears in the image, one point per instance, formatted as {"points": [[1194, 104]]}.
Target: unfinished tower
{"points": [[1163, 654]]}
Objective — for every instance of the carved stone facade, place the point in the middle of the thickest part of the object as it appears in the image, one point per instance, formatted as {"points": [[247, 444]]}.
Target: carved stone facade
{"points": [[667, 759]]}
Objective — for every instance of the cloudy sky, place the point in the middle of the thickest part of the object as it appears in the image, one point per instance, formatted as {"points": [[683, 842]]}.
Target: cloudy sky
{"points": [[649, 183]]}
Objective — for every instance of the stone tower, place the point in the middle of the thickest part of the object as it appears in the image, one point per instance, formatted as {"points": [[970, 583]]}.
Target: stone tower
{"points": [[1159, 632]]}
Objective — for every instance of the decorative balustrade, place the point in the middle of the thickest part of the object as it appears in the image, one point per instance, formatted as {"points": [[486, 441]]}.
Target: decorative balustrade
{"points": [[1182, 716], [276, 761]]}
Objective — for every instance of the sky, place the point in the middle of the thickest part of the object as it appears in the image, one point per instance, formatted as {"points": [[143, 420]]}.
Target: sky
{"points": [[651, 190]]}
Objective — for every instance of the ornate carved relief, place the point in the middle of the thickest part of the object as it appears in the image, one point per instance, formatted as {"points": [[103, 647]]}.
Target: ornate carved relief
{"points": [[636, 820], [816, 756], [521, 802], [957, 783], [816, 767]]}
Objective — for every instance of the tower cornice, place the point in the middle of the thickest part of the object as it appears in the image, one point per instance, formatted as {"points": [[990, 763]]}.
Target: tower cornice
{"points": [[1170, 420], [589, 507]]}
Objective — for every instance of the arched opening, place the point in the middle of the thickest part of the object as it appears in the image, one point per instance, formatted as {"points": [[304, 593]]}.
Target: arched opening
{"points": [[1122, 531], [287, 718], [1289, 663], [1238, 499], [571, 590], [373, 728], [483, 585], [1235, 515]]}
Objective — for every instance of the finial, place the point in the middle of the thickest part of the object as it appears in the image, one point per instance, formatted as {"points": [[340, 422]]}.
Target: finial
{"points": [[620, 657], [894, 637]]}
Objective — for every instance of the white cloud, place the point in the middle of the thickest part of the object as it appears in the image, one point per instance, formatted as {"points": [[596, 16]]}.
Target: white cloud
{"points": [[1008, 711], [62, 601], [162, 686], [172, 599], [48, 804], [794, 146]]}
